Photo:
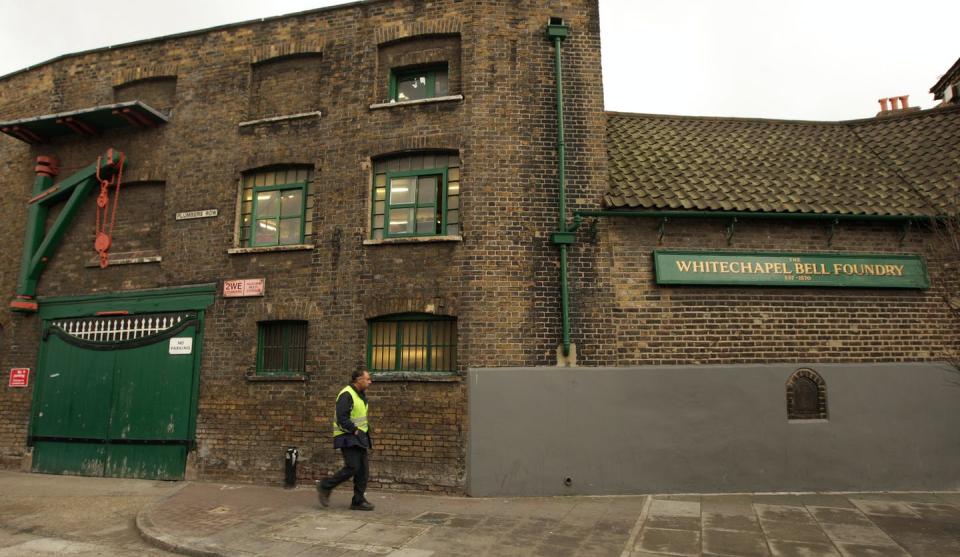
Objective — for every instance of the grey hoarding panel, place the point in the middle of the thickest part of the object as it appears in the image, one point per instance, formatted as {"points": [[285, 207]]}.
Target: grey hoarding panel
{"points": [[675, 429]]}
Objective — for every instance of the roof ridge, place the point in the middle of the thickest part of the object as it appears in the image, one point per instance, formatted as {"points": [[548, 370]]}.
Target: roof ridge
{"points": [[870, 120], [896, 169]]}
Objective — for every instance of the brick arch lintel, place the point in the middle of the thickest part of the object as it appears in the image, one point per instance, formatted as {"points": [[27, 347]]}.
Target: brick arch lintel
{"points": [[287, 310], [437, 305], [405, 144], [423, 28], [142, 73], [273, 51], [807, 373]]}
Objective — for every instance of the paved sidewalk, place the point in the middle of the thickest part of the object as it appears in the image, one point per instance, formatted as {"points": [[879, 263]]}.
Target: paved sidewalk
{"points": [[216, 519], [43, 515]]}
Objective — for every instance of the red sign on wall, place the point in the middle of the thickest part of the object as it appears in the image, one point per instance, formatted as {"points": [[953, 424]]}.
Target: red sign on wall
{"points": [[19, 377], [243, 287]]}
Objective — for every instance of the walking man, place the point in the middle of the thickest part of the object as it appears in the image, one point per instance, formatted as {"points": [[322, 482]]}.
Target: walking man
{"points": [[351, 434]]}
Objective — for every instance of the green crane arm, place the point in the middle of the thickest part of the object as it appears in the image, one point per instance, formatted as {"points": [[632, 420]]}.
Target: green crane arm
{"points": [[38, 245]]}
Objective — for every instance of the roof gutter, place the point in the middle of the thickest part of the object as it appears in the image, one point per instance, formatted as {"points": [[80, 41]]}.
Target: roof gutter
{"points": [[735, 216], [578, 215]]}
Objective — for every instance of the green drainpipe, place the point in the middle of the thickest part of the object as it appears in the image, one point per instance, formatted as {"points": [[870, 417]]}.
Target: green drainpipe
{"points": [[557, 32]]}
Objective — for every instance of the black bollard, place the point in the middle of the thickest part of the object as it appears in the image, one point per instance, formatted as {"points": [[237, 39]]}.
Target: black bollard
{"points": [[290, 468]]}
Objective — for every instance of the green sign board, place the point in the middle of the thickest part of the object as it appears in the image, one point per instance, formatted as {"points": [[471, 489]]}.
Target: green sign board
{"points": [[790, 269]]}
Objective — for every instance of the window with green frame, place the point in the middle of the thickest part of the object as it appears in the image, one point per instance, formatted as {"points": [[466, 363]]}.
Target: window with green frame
{"points": [[281, 347], [416, 195], [275, 207], [412, 342], [413, 84]]}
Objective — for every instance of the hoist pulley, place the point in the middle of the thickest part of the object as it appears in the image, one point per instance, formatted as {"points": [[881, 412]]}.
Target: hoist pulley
{"points": [[104, 235]]}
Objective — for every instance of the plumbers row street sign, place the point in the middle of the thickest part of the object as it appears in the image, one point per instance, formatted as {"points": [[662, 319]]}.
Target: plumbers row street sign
{"points": [[790, 269]]}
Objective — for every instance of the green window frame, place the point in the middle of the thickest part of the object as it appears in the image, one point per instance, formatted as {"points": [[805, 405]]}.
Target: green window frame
{"points": [[412, 342], [413, 84], [281, 347], [416, 195], [275, 207]]}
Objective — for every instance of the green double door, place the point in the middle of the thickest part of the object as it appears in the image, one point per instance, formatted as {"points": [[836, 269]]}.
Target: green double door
{"points": [[116, 396]]}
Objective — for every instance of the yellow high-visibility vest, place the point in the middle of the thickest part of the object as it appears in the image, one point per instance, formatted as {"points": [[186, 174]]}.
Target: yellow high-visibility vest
{"points": [[358, 414]]}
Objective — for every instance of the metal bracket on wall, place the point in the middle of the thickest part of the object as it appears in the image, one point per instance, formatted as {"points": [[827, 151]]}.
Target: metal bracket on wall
{"points": [[833, 227], [594, 230], [731, 228], [904, 230], [661, 228]]}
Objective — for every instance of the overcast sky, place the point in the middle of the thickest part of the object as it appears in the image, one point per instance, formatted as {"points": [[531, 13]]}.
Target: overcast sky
{"points": [[815, 59]]}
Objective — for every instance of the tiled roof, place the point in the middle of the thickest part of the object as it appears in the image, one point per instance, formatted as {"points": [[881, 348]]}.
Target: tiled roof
{"points": [[892, 165]]}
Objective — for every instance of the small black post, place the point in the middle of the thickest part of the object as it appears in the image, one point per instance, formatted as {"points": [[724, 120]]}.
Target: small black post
{"points": [[290, 468]]}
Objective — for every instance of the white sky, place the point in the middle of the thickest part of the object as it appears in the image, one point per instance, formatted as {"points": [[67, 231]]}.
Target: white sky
{"points": [[792, 59]]}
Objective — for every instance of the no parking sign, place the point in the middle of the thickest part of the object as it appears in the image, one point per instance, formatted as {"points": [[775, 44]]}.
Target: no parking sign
{"points": [[19, 377]]}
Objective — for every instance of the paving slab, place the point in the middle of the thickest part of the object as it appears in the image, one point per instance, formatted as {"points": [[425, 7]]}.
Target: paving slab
{"points": [[784, 513], [782, 548], [671, 542], [863, 550], [807, 532], [734, 543]]}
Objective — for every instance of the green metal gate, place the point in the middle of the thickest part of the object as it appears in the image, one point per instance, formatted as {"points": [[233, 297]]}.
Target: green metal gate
{"points": [[116, 395]]}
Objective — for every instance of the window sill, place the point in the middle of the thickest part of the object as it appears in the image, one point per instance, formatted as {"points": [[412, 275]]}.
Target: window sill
{"points": [[270, 378], [807, 421], [284, 118], [425, 376], [448, 98], [413, 240], [269, 249], [131, 258]]}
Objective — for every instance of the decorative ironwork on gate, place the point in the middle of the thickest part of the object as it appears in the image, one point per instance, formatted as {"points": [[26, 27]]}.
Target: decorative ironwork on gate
{"points": [[121, 331]]}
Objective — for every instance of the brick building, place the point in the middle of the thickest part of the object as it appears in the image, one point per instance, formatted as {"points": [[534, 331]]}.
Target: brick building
{"points": [[390, 170]]}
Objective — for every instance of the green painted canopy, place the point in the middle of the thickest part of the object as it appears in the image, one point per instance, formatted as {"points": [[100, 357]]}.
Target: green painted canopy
{"points": [[84, 122]]}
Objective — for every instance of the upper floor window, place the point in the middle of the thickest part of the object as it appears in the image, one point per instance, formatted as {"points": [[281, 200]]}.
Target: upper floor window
{"points": [[416, 195], [275, 207], [418, 83], [418, 68]]}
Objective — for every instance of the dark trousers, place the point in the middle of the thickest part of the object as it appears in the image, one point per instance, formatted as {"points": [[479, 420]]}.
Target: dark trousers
{"points": [[354, 466]]}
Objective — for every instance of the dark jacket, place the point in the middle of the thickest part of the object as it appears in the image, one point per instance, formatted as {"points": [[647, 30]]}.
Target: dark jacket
{"points": [[344, 407]]}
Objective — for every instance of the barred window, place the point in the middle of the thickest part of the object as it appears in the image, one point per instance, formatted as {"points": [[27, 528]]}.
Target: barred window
{"points": [[281, 347], [412, 342]]}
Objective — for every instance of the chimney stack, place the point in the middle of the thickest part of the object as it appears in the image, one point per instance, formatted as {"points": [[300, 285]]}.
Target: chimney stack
{"points": [[895, 105]]}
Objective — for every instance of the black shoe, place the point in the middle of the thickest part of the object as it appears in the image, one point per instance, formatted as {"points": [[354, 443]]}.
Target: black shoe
{"points": [[324, 495], [365, 506]]}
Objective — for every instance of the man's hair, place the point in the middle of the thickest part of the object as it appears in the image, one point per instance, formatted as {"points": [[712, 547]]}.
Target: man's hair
{"points": [[357, 374]]}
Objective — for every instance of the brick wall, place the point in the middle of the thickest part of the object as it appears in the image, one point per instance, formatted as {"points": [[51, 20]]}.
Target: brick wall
{"points": [[621, 317], [335, 61]]}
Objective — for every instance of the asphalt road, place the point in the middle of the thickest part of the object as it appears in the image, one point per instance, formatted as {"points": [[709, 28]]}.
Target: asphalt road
{"points": [[63, 515]]}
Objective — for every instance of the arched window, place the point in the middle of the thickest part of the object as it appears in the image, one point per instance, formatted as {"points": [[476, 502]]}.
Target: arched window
{"points": [[806, 396]]}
